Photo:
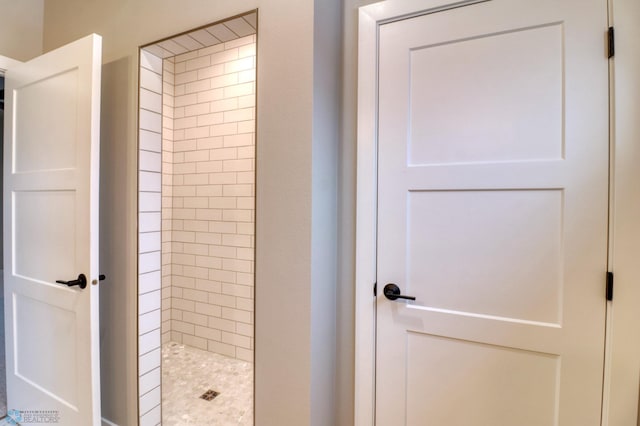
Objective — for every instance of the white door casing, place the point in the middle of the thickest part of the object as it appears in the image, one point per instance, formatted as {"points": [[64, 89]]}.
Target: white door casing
{"points": [[513, 267], [51, 172]]}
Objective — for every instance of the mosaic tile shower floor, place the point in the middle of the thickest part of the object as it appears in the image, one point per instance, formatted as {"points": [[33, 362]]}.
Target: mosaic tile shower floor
{"points": [[187, 373]]}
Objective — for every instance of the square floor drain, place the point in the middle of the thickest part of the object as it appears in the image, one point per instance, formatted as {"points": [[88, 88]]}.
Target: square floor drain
{"points": [[209, 395]]}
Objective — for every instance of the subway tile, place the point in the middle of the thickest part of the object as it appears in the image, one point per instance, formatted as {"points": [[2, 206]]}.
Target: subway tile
{"points": [[233, 139], [248, 126], [149, 282], [237, 215], [222, 348], [196, 249], [244, 253], [148, 262], [182, 327], [197, 132], [247, 76], [149, 341], [149, 241], [178, 112], [196, 202], [242, 64], [194, 318], [236, 315], [210, 95], [150, 161], [246, 152], [210, 119], [236, 340], [186, 56], [198, 86], [184, 282], [150, 80], [180, 67], [216, 322], [149, 301], [186, 77], [150, 100], [208, 262], [149, 361], [184, 123], [222, 300], [209, 166], [195, 341], [150, 121], [204, 308], [245, 279], [195, 156], [208, 237], [222, 251], [198, 62], [223, 228], [198, 226], [150, 141], [218, 47], [224, 56], [150, 61], [244, 329], [222, 202], [225, 129], [236, 240], [197, 109], [183, 168], [208, 214], [222, 276], [196, 179], [245, 304], [176, 337], [149, 222], [239, 90], [239, 190], [224, 105], [210, 142], [183, 259], [240, 42], [195, 272], [211, 71], [178, 89], [224, 81], [184, 145], [236, 290], [209, 286], [243, 114], [168, 65], [149, 401], [247, 50], [184, 213], [237, 265], [237, 165], [247, 101], [148, 322], [246, 202], [149, 202], [246, 177], [187, 99], [150, 380], [208, 333], [222, 178], [244, 354], [223, 154]]}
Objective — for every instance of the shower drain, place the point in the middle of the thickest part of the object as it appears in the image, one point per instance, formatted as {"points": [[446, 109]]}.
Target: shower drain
{"points": [[209, 395]]}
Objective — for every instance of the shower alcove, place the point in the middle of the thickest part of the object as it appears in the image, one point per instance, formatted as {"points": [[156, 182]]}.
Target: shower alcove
{"points": [[196, 210]]}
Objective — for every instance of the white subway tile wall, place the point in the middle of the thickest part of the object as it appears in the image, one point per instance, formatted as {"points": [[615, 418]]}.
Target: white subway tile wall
{"points": [[208, 187], [149, 228]]}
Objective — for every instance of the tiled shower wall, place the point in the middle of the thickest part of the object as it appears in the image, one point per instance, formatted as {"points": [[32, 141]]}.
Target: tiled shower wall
{"points": [[208, 198]]}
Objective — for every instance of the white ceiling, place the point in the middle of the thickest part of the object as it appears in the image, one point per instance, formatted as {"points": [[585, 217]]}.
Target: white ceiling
{"points": [[209, 36]]}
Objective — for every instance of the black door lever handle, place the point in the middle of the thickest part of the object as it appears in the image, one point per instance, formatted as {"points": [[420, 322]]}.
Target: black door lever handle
{"points": [[392, 292], [80, 282]]}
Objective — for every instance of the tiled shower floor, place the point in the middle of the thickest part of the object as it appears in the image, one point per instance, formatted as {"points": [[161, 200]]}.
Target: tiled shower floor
{"points": [[187, 373]]}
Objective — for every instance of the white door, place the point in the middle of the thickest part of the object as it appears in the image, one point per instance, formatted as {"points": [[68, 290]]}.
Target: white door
{"points": [[51, 160], [493, 199]]}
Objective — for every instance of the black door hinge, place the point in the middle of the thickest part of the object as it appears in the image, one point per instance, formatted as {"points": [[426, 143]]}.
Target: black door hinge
{"points": [[612, 44], [609, 285], [375, 289]]}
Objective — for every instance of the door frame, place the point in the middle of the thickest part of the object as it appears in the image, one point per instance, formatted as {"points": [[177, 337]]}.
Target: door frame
{"points": [[622, 346]]}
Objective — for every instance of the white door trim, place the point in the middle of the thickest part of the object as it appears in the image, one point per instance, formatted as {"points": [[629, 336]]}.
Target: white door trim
{"points": [[6, 63], [622, 364]]}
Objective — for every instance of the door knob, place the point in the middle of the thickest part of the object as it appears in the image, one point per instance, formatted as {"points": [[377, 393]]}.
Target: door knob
{"points": [[392, 292], [80, 282]]}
